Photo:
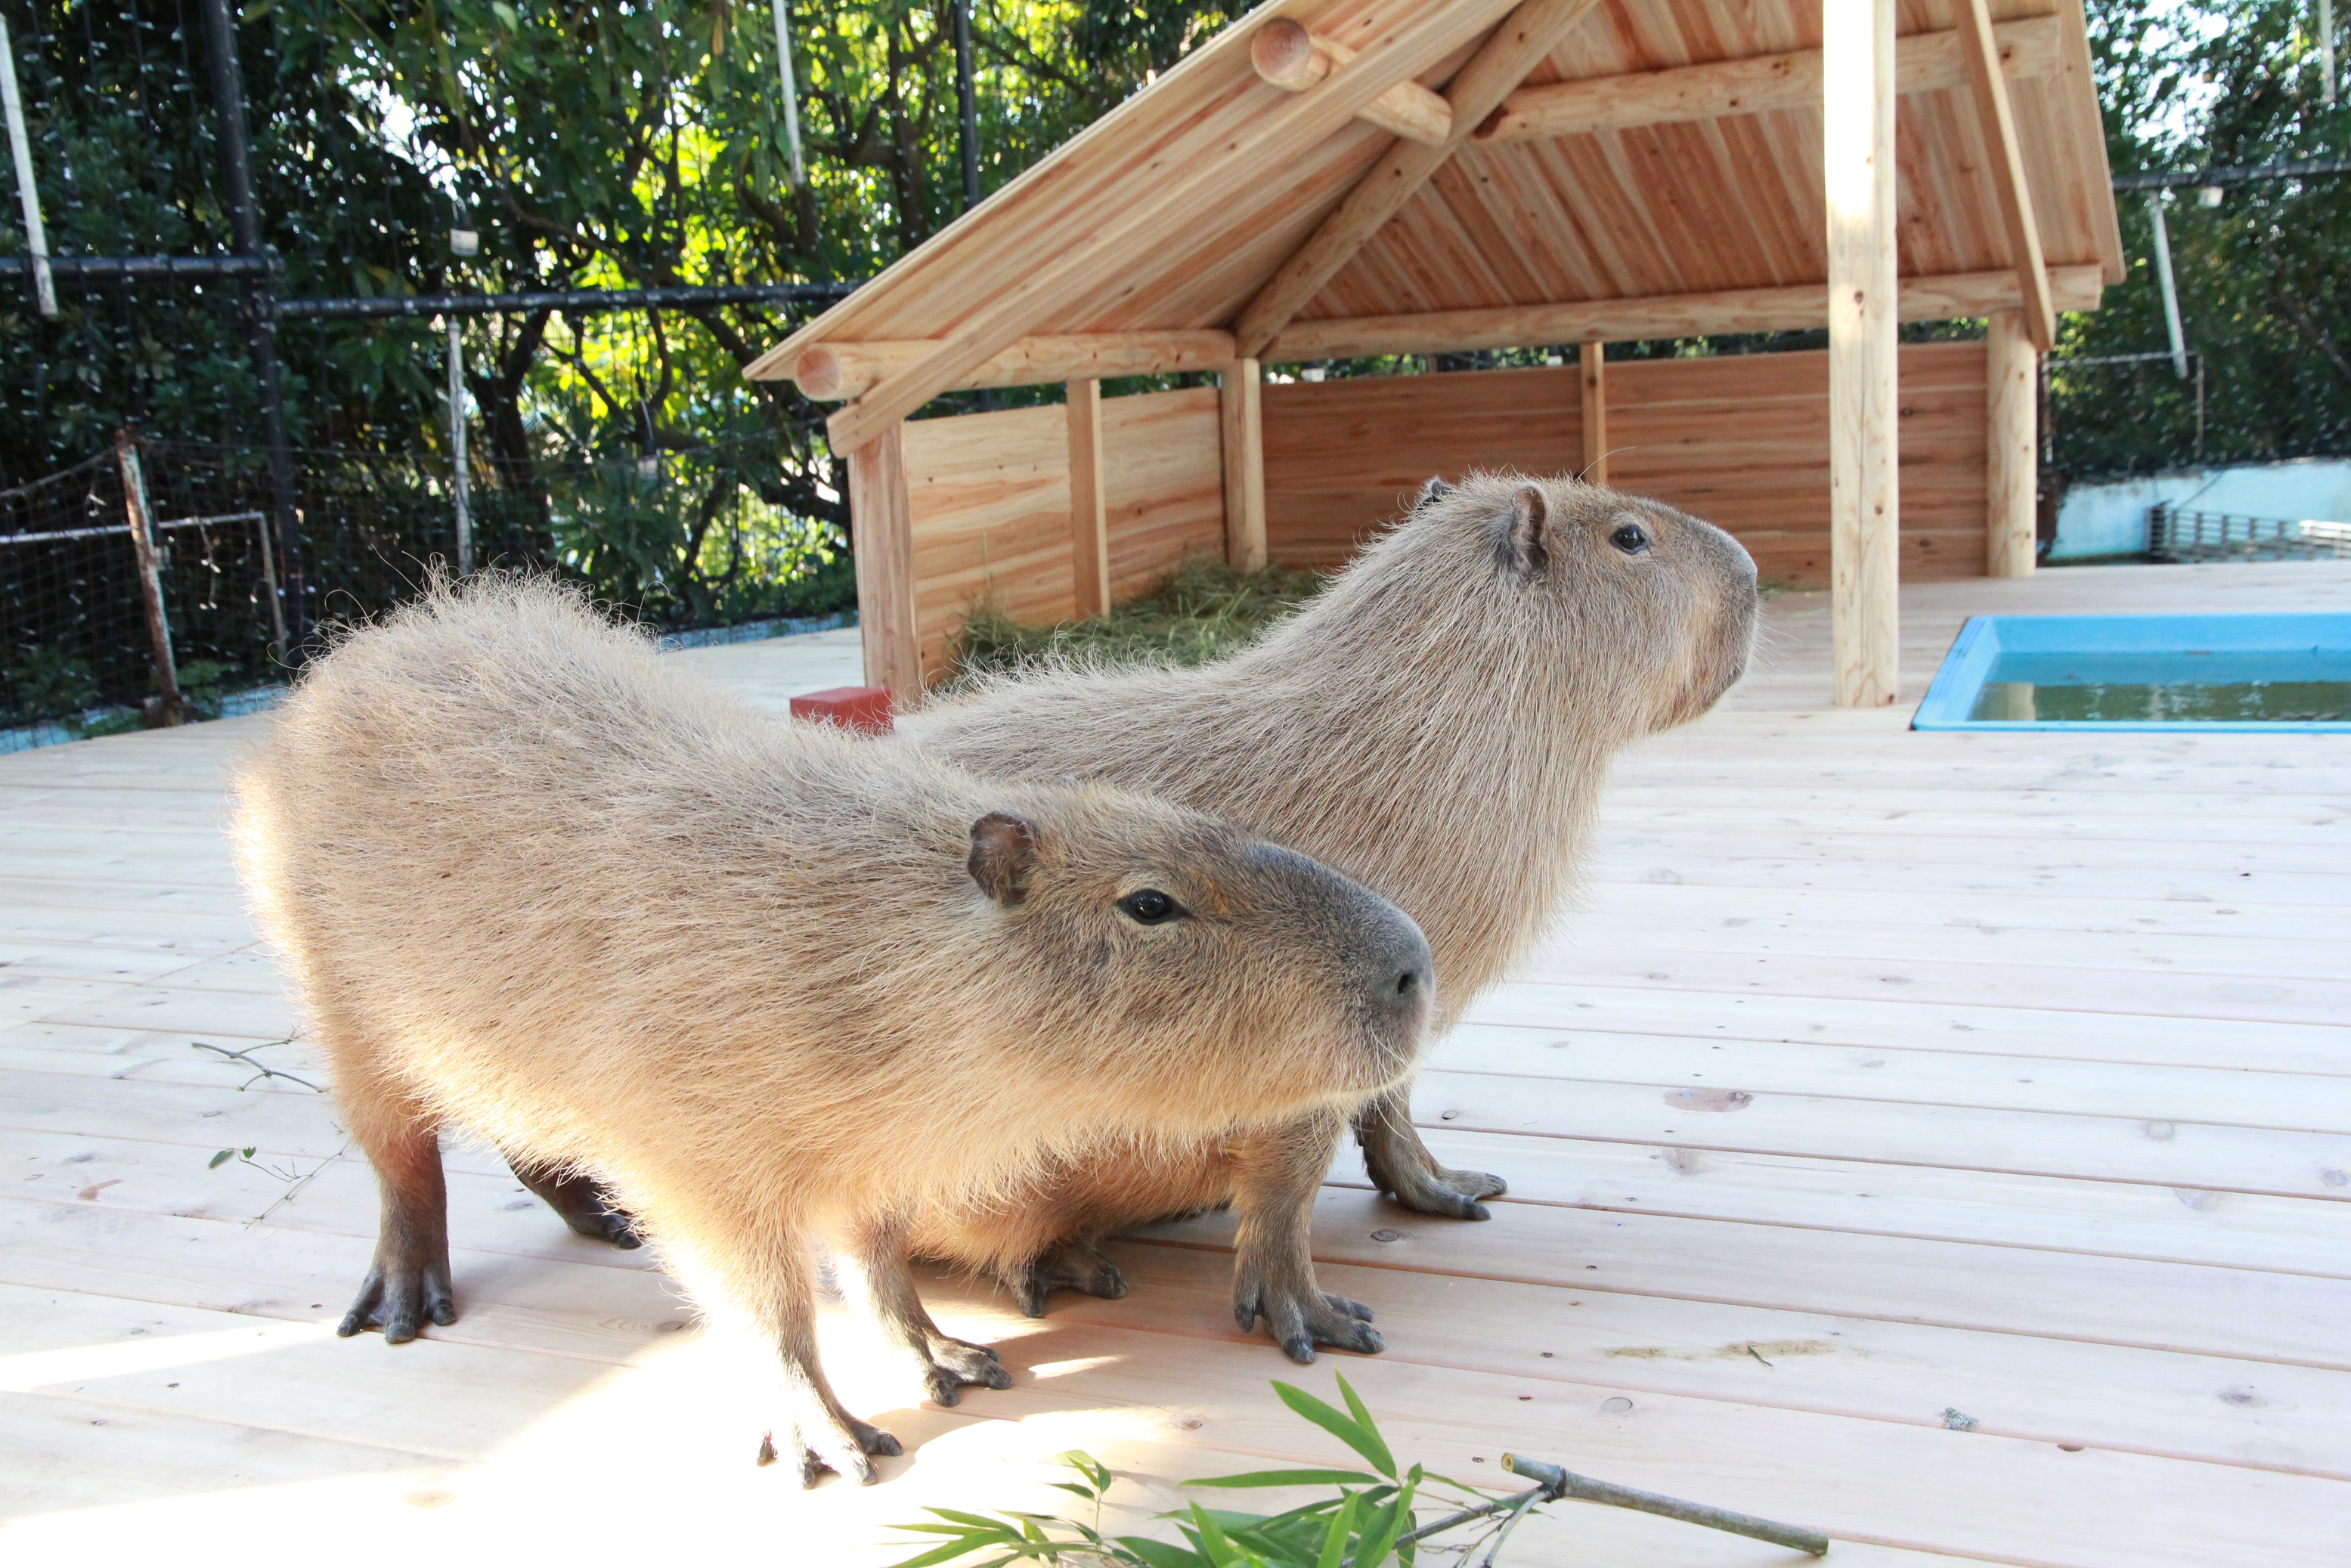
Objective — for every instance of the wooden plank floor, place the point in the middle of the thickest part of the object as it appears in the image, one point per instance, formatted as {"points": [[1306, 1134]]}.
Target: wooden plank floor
{"points": [[1943, 1140]]}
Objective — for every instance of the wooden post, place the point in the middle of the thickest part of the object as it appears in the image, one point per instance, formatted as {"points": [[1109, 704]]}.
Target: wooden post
{"points": [[2011, 446], [882, 530], [1088, 520], [1593, 358], [1243, 407], [167, 707], [1864, 503]]}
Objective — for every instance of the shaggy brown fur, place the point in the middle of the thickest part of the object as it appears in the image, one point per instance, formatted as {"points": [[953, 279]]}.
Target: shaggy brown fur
{"points": [[774, 986], [1437, 723]]}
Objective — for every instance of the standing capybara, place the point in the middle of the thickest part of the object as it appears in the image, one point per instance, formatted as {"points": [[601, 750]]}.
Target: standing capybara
{"points": [[1437, 724], [775, 986]]}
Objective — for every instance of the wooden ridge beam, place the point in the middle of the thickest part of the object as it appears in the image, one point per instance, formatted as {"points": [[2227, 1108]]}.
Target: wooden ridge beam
{"points": [[1293, 59], [1757, 84], [1501, 63], [1996, 119], [1009, 306], [1935, 298], [831, 372]]}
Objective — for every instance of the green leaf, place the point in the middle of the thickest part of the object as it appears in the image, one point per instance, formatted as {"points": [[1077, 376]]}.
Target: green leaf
{"points": [[1363, 1441], [1162, 1553], [219, 1159], [947, 1554], [1379, 1533], [1284, 1478], [1383, 1461], [1335, 1544]]}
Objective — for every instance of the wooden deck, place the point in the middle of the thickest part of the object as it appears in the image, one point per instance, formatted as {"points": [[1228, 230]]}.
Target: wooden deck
{"points": [[1938, 1139]]}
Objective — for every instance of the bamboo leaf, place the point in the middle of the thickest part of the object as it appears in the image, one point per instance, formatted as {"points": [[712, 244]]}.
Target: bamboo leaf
{"points": [[1363, 1441]]}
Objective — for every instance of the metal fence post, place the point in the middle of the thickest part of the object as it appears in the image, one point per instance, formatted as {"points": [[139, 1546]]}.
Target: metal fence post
{"points": [[260, 305], [167, 707], [458, 451]]}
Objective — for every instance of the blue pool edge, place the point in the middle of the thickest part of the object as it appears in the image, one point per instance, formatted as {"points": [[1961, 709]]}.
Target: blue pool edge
{"points": [[1951, 694]]}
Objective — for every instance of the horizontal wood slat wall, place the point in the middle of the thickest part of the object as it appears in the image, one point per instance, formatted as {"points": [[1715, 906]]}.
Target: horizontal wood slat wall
{"points": [[990, 496], [1163, 465], [1740, 440], [1343, 456]]}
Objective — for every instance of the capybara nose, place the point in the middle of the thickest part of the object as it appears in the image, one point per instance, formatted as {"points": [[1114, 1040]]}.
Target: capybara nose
{"points": [[1405, 983]]}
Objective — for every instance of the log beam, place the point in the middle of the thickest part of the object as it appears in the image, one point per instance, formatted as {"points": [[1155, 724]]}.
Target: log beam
{"points": [[2011, 447], [1757, 84], [1996, 119], [833, 372], [1089, 517], [1865, 410], [882, 542], [1592, 366], [1501, 63], [1937, 298], [1242, 411], [1007, 309], [1293, 59]]}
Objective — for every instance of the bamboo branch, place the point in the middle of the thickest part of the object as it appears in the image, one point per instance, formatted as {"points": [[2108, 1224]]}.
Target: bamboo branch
{"points": [[1557, 1483]]}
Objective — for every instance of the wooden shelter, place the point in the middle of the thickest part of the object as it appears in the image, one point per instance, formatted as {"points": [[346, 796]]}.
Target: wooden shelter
{"points": [[1336, 179]]}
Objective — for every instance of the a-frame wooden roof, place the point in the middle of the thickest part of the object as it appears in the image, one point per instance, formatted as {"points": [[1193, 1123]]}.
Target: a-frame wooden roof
{"points": [[1616, 168]]}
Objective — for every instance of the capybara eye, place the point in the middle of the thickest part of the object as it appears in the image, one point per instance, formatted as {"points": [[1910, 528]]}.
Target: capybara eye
{"points": [[1632, 538], [1149, 906]]}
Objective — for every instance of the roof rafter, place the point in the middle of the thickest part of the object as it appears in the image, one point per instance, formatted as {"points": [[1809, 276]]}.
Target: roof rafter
{"points": [[1019, 302], [1501, 63], [1996, 116]]}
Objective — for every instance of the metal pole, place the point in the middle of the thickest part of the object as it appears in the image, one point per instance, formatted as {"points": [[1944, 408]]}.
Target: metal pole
{"points": [[457, 450], [151, 579], [967, 100], [2163, 277], [260, 303], [2326, 50], [792, 92], [36, 240]]}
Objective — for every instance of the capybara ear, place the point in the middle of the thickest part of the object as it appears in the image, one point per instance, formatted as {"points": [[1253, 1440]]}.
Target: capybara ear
{"points": [[1526, 548], [1434, 490], [1003, 853]]}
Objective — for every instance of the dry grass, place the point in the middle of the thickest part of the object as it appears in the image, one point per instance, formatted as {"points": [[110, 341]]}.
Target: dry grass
{"points": [[1204, 610]]}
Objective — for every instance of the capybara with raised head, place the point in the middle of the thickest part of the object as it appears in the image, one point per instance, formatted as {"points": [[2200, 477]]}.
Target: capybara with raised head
{"points": [[1437, 723], [775, 986]]}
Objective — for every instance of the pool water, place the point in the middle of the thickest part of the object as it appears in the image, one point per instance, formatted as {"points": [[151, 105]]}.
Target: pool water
{"points": [[2301, 686], [2270, 671]]}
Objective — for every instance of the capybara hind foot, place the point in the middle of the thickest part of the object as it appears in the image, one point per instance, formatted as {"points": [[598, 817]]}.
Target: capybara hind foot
{"points": [[1301, 1319], [840, 1446], [1070, 1265], [584, 1205], [1400, 1166], [1438, 1189], [402, 1295], [951, 1364]]}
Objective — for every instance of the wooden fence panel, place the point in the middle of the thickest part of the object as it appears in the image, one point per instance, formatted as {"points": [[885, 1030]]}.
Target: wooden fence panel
{"points": [[1164, 471], [1343, 456], [990, 493], [1740, 440], [990, 496]]}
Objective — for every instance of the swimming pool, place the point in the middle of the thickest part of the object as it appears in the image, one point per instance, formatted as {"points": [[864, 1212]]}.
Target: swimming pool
{"points": [[2197, 673]]}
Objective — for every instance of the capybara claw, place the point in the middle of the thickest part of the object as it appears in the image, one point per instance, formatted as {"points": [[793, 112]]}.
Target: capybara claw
{"points": [[1438, 1190], [1299, 1323], [1070, 1265]]}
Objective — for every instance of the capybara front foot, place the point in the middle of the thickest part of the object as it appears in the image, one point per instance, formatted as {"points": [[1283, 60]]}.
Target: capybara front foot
{"points": [[840, 1446], [951, 1364], [402, 1296], [1065, 1266], [1300, 1319]]}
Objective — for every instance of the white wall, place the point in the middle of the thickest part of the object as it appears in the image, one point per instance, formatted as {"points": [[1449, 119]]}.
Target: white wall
{"points": [[2111, 518]]}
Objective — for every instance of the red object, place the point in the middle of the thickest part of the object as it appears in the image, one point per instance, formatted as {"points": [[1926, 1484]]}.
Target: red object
{"points": [[864, 709]]}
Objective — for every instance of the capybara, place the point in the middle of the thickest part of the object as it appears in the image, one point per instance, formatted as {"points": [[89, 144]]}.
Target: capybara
{"points": [[773, 986], [1437, 723]]}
